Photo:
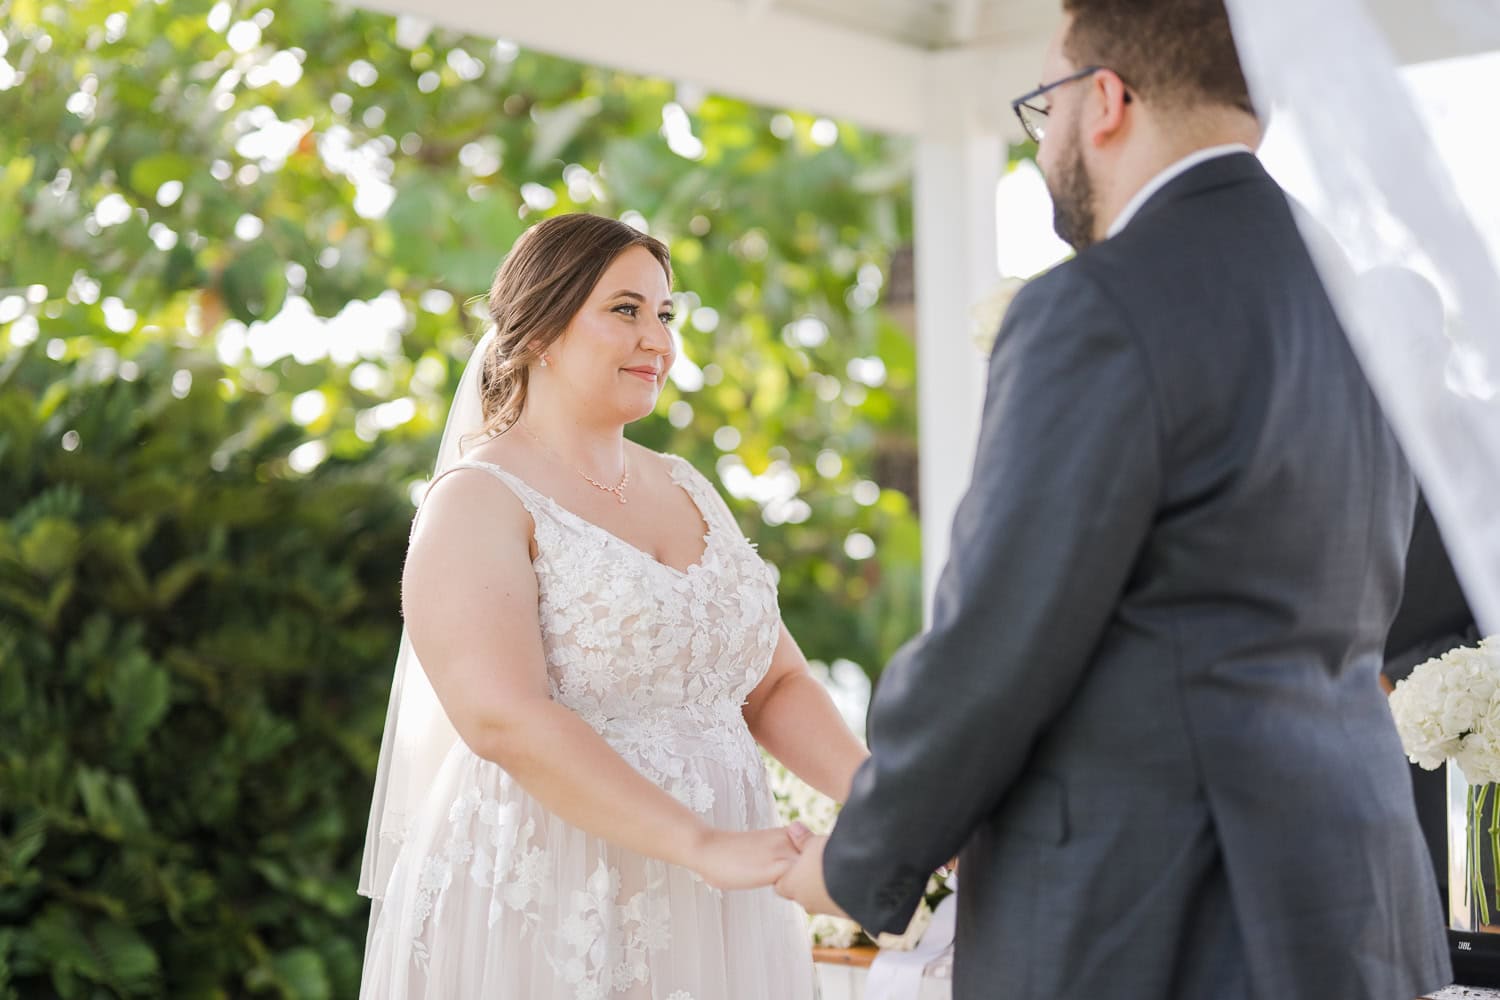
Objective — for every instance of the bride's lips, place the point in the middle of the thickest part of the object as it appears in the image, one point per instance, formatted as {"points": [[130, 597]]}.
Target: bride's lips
{"points": [[644, 374]]}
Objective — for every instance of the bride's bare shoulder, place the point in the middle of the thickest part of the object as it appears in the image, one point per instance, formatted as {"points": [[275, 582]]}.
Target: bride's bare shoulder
{"points": [[474, 502]]}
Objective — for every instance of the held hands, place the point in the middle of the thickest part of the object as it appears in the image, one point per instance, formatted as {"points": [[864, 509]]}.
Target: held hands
{"points": [[803, 883], [790, 858], [749, 860]]}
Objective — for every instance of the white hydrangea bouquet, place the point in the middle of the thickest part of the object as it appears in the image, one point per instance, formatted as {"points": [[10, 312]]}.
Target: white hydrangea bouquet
{"points": [[1449, 709], [796, 800]]}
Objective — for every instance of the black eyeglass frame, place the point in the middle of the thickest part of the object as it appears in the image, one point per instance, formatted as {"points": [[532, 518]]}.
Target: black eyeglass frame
{"points": [[1024, 100]]}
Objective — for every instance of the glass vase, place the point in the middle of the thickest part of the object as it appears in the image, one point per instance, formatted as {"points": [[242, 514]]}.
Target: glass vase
{"points": [[1473, 852]]}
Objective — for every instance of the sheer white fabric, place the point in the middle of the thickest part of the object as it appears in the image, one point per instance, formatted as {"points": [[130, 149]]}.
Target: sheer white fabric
{"points": [[1409, 266], [491, 896], [417, 735]]}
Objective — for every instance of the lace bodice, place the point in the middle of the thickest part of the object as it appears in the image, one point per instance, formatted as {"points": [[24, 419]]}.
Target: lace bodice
{"points": [[657, 660]]}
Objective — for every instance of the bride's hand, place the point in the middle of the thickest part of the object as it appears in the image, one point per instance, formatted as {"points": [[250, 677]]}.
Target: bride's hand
{"points": [[749, 860]]}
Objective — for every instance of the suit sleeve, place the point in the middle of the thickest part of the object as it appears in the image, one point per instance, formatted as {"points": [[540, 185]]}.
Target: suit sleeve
{"points": [[1064, 490]]}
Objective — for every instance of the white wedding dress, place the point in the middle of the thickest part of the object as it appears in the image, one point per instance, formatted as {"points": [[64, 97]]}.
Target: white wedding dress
{"points": [[493, 897]]}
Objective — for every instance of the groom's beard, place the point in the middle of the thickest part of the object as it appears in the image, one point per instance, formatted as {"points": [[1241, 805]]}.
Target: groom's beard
{"points": [[1073, 202]]}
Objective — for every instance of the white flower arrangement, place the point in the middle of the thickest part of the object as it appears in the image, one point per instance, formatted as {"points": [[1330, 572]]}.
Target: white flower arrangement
{"points": [[832, 932], [1449, 708], [796, 800], [989, 313], [913, 935]]}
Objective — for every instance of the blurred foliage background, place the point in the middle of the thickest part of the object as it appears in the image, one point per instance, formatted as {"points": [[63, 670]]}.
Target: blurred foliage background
{"points": [[238, 247]]}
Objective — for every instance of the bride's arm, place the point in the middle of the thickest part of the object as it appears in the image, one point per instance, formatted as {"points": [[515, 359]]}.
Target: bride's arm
{"points": [[470, 599], [793, 717]]}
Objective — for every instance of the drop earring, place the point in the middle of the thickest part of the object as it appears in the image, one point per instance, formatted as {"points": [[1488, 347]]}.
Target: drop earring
{"points": [[544, 361]]}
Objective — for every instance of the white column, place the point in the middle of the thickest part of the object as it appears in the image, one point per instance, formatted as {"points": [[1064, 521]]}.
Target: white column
{"points": [[961, 156], [954, 207]]}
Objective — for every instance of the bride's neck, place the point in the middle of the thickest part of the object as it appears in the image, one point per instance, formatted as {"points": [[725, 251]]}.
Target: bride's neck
{"points": [[589, 446]]}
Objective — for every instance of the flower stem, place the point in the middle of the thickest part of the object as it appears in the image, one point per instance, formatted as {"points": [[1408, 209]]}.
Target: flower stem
{"points": [[1494, 831], [1478, 794]]}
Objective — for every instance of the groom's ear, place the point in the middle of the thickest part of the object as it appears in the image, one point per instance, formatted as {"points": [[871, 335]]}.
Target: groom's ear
{"points": [[1109, 105]]}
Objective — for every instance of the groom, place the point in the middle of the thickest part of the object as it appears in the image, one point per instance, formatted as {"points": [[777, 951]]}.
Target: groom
{"points": [[1147, 708]]}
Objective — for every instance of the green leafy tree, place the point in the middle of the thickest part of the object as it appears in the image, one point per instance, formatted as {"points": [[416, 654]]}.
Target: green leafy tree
{"points": [[238, 249]]}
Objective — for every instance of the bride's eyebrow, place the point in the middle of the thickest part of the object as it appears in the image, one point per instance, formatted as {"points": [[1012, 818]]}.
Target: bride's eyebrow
{"points": [[637, 296]]}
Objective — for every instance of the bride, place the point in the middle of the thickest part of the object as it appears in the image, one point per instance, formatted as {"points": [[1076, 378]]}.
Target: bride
{"points": [[587, 815]]}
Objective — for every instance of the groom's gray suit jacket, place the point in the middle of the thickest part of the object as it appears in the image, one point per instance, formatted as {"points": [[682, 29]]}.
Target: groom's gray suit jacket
{"points": [[1147, 708]]}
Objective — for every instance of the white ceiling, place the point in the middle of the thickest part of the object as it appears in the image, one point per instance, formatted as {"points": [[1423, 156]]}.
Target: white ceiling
{"points": [[936, 68], [1420, 31], [934, 24]]}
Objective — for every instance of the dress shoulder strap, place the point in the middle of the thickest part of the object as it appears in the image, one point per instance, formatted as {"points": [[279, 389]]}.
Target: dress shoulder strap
{"points": [[530, 498], [709, 500]]}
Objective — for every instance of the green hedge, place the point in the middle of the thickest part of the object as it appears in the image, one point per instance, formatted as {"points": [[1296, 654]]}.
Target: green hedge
{"points": [[196, 649]]}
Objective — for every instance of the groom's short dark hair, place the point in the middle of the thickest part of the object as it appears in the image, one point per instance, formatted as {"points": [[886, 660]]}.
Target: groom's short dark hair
{"points": [[1175, 52]]}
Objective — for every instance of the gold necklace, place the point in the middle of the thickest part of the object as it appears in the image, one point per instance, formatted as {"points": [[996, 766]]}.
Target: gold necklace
{"points": [[618, 490]]}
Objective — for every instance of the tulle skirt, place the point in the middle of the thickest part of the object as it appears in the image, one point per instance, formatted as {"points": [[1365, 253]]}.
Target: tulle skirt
{"points": [[493, 897]]}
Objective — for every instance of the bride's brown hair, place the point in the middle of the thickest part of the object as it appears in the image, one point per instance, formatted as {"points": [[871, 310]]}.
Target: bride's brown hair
{"points": [[539, 288]]}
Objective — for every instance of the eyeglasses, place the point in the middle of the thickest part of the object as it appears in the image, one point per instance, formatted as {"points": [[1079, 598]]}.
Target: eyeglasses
{"points": [[1034, 118]]}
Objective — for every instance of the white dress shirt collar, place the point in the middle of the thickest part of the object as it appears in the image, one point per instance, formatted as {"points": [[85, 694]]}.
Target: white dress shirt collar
{"points": [[1168, 175]]}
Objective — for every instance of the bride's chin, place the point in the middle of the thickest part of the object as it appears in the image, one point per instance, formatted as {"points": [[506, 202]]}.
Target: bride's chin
{"points": [[637, 409]]}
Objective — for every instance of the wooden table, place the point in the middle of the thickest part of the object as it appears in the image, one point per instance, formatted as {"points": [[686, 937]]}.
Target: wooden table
{"points": [[859, 958]]}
